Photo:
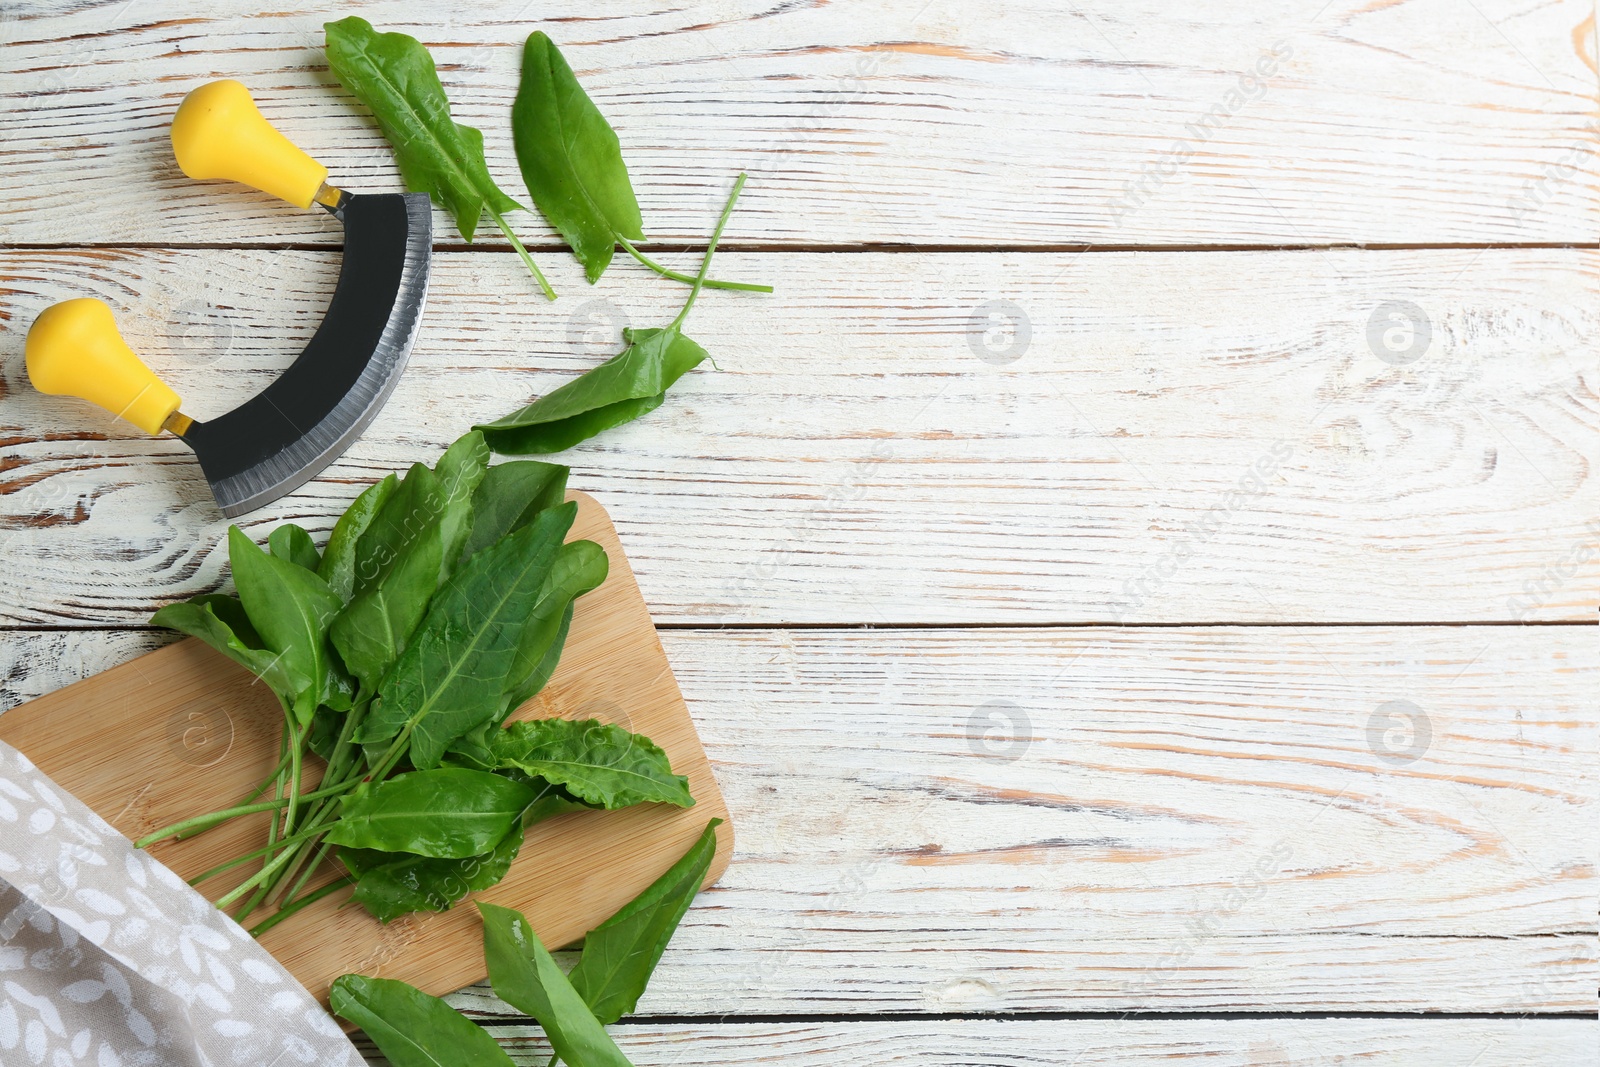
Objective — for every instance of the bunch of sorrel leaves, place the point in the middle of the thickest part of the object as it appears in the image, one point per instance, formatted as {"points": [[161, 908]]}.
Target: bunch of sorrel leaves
{"points": [[571, 162], [440, 604]]}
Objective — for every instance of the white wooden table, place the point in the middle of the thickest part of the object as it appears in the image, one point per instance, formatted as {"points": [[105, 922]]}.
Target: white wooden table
{"points": [[1136, 579]]}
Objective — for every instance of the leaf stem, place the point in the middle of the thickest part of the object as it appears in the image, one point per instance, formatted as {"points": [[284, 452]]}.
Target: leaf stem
{"points": [[310, 838], [711, 248], [297, 749], [533, 268], [341, 757], [323, 849], [250, 906], [314, 822], [294, 906], [205, 822], [318, 816], [267, 870], [266, 783], [246, 858], [277, 788], [338, 758], [711, 283]]}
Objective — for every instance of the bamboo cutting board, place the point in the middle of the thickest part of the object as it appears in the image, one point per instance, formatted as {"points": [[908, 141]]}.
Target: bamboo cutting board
{"points": [[183, 731]]}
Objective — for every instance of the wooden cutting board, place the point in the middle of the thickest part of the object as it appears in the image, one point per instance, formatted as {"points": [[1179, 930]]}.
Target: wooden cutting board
{"points": [[184, 730]]}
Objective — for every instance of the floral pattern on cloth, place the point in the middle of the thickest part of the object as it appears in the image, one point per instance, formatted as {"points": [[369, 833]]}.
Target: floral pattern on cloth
{"points": [[109, 959]]}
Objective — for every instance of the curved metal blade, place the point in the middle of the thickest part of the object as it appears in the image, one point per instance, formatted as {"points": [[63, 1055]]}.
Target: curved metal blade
{"points": [[283, 436]]}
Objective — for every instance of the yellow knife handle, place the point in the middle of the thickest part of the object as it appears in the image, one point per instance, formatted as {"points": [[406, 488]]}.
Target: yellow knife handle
{"points": [[219, 133], [74, 349]]}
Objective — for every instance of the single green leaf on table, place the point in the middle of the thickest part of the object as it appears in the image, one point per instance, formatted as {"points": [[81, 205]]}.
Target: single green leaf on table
{"points": [[509, 497], [452, 675], [391, 884], [632, 383], [627, 385], [621, 953], [571, 160], [525, 976], [599, 763], [411, 1028], [572, 165], [398, 564], [393, 74], [220, 622], [338, 566], [292, 544], [291, 608], [444, 813]]}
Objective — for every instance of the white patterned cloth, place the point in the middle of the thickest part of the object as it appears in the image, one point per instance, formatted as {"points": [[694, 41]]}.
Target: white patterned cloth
{"points": [[108, 959]]}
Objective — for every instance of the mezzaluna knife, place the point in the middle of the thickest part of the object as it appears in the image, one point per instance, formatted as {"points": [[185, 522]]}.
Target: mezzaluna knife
{"points": [[308, 416]]}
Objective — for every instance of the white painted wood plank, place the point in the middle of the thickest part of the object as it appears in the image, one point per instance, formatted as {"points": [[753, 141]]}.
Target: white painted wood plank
{"points": [[1106, 819], [1176, 437], [1109, 122], [1098, 1043]]}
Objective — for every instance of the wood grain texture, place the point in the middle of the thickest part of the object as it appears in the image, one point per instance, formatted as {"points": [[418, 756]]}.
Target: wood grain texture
{"points": [[1098, 1043], [1110, 122], [1195, 819], [1181, 437], [184, 731], [1158, 819]]}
